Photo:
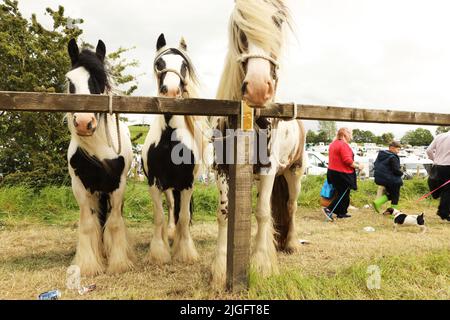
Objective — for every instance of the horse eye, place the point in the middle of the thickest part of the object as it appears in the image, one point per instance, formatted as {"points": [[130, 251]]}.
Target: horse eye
{"points": [[160, 64], [277, 21], [243, 41], [71, 87], [184, 68]]}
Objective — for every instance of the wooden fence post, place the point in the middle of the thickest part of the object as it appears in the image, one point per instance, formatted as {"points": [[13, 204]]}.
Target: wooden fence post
{"points": [[240, 209]]}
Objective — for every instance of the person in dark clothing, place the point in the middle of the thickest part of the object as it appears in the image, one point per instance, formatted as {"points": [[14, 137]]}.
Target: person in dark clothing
{"points": [[439, 152], [389, 175], [341, 174]]}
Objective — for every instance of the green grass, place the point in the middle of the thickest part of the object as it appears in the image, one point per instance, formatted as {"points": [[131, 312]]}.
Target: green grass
{"points": [[136, 130], [422, 276], [57, 205], [411, 191]]}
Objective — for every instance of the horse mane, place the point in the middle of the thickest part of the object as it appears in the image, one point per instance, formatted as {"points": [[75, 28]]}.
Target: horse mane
{"points": [[98, 69], [262, 23]]}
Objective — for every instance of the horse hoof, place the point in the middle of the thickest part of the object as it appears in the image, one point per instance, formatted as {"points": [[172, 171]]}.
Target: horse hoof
{"points": [[120, 267], [263, 264], [158, 259], [91, 270], [218, 274], [184, 251], [291, 248]]}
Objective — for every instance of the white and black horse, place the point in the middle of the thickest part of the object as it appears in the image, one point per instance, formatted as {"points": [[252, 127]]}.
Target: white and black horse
{"points": [[250, 73], [172, 154], [98, 170]]}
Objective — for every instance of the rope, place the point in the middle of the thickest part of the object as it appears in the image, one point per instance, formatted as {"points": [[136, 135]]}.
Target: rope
{"points": [[108, 133], [430, 193], [295, 112], [245, 57], [158, 73], [342, 197]]}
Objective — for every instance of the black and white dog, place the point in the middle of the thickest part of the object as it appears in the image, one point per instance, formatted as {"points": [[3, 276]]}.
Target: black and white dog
{"points": [[402, 219]]}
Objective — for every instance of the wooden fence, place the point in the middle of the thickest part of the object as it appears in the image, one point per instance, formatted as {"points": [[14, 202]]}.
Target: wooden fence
{"points": [[240, 205]]}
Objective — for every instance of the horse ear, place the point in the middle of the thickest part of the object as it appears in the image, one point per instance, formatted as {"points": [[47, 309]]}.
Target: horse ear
{"points": [[73, 50], [161, 42], [183, 44], [101, 50]]}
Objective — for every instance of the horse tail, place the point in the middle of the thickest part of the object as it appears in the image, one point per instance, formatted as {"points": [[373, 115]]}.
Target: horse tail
{"points": [[177, 205], [103, 208], [280, 212]]}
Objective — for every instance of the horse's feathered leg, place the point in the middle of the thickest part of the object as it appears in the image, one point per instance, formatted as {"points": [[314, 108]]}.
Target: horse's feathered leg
{"points": [[118, 248], [294, 185], [219, 265], [264, 257], [183, 245], [89, 255], [170, 207], [159, 247]]}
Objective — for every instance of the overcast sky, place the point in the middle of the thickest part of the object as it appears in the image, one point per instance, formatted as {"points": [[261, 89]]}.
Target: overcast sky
{"points": [[387, 54]]}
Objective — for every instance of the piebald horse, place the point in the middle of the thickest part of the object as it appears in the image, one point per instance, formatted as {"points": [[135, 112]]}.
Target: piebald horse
{"points": [[172, 155], [256, 36], [98, 166]]}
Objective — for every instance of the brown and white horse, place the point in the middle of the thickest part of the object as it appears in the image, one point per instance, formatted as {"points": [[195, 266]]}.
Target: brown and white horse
{"points": [[256, 37], [172, 155], [98, 170]]}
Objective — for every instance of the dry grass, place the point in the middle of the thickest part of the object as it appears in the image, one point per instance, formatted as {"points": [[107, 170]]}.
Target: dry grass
{"points": [[34, 258]]}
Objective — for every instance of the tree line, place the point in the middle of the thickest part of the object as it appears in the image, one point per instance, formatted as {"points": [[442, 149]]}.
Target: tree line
{"points": [[327, 131]]}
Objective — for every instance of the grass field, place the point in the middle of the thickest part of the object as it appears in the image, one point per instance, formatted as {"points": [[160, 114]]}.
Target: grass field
{"points": [[138, 130], [38, 234]]}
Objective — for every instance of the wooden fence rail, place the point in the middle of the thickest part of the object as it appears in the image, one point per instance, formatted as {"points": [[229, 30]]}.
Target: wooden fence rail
{"points": [[240, 175], [26, 101]]}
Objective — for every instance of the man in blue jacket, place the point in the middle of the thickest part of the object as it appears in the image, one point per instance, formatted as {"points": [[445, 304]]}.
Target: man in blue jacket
{"points": [[388, 175]]}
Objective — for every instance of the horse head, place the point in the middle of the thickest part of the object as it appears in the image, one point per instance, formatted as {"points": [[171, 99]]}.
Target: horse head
{"points": [[173, 69], [87, 76], [256, 37]]}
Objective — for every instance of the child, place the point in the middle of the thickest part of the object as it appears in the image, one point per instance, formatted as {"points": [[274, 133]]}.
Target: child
{"points": [[388, 175]]}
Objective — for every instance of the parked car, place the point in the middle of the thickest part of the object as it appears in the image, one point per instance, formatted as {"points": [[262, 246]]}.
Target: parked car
{"points": [[415, 168], [317, 164]]}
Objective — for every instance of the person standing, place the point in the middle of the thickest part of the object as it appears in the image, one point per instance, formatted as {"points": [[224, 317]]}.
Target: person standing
{"points": [[341, 174], [439, 152], [389, 175]]}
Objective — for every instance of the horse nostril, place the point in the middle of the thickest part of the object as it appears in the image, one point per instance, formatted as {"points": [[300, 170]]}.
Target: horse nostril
{"points": [[89, 126], [163, 89], [244, 87], [75, 124]]}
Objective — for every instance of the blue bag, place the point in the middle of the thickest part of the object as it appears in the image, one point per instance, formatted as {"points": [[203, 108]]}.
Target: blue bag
{"points": [[327, 191]]}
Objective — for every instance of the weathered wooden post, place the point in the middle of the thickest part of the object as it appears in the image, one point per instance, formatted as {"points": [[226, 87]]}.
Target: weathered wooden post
{"points": [[240, 202]]}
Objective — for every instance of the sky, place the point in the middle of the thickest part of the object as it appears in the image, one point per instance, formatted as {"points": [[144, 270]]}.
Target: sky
{"points": [[378, 54]]}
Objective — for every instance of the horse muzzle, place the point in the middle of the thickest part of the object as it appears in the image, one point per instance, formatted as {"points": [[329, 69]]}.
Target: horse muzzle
{"points": [[84, 124]]}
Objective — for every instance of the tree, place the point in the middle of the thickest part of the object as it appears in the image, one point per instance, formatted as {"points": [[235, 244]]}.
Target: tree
{"points": [[329, 128], [387, 138], [323, 137], [311, 137], [418, 137], [33, 146], [363, 136], [442, 129]]}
